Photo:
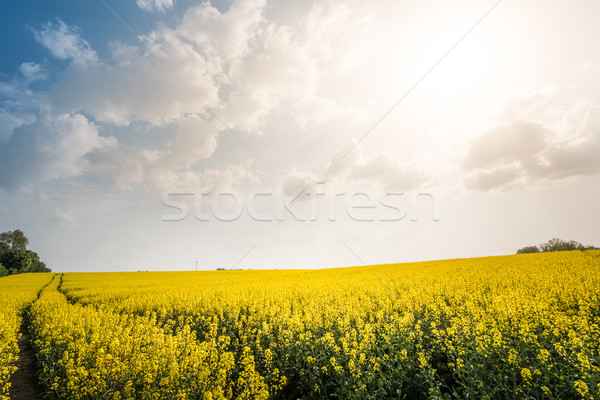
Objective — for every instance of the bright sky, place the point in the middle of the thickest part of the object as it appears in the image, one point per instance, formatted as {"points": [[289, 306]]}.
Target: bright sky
{"points": [[276, 134]]}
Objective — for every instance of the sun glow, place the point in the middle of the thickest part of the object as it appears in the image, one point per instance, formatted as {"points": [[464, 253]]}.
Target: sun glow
{"points": [[452, 73]]}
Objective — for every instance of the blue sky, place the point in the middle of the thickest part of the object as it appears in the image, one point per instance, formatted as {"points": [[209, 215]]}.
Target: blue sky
{"points": [[93, 20], [20, 18], [275, 134]]}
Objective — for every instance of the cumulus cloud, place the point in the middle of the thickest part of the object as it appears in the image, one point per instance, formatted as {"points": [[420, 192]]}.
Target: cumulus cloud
{"points": [[230, 177], [290, 65], [10, 121], [53, 147], [562, 143], [18, 106], [179, 70], [377, 172], [227, 178], [237, 64], [64, 42], [382, 169], [520, 142], [155, 5], [296, 181], [578, 156], [63, 219], [32, 71], [501, 177], [229, 35], [196, 140], [137, 86], [172, 167]]}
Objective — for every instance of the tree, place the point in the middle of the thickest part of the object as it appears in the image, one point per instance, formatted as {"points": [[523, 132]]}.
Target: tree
{"points": [[556, 244], [14, 256], [41, 267], [17, 262], [528, 249], [13, 240]]}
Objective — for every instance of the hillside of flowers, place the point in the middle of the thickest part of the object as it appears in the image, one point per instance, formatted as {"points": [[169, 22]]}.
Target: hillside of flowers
{"points": [[522, 326]]}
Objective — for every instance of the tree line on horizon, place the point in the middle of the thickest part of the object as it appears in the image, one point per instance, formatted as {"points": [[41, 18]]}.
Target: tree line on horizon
{"points": [[15, 258], [556, 244]]}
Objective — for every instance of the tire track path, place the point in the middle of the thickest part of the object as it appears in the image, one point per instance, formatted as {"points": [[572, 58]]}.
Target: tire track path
{"points": [[24, 384]]}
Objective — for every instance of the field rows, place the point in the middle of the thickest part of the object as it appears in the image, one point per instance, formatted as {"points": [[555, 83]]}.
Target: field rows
{"points": [[16, 293], [525, 326]]}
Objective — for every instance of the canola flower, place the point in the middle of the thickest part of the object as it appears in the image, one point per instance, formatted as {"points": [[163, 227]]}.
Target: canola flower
{"points": [[16, 293], [523, 326], [90, 354]]}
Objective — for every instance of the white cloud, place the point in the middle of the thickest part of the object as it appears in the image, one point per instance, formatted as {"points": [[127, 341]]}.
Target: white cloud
{"points": [[538, 143], [377, 173], [9, 121], [227, 178], [63, 219], [380, 169], [578, 157], [236, 63], [227, 35], [54, 147], [230, 177], [196, 140], [65, 43], [174, 166], [496, 178], [241, 65], [32, 71], [138, 86], [19, 106], [155, 5], [288, 67], [300, 181], [518, 142]]}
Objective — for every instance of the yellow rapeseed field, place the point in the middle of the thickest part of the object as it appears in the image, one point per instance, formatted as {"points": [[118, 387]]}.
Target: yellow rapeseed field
{"points": [[16, 293], [510, 327]]}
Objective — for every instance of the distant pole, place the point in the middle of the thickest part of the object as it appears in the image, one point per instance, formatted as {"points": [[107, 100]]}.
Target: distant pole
{"points": [[196, 265]]}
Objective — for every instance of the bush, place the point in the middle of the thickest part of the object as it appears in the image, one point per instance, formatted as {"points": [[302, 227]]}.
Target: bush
{"points": [[556, 244], [561, 245], [528, 249]]}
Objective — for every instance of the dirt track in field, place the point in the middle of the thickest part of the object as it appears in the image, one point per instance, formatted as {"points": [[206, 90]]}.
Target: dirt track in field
{"points": [[24, 383]]}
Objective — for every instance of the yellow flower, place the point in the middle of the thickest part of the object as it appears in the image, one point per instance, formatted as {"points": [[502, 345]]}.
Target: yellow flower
{"points": [[526, 374], [176, 334], [543, 355], [581, 387], [512, 356], [546, 390]]}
